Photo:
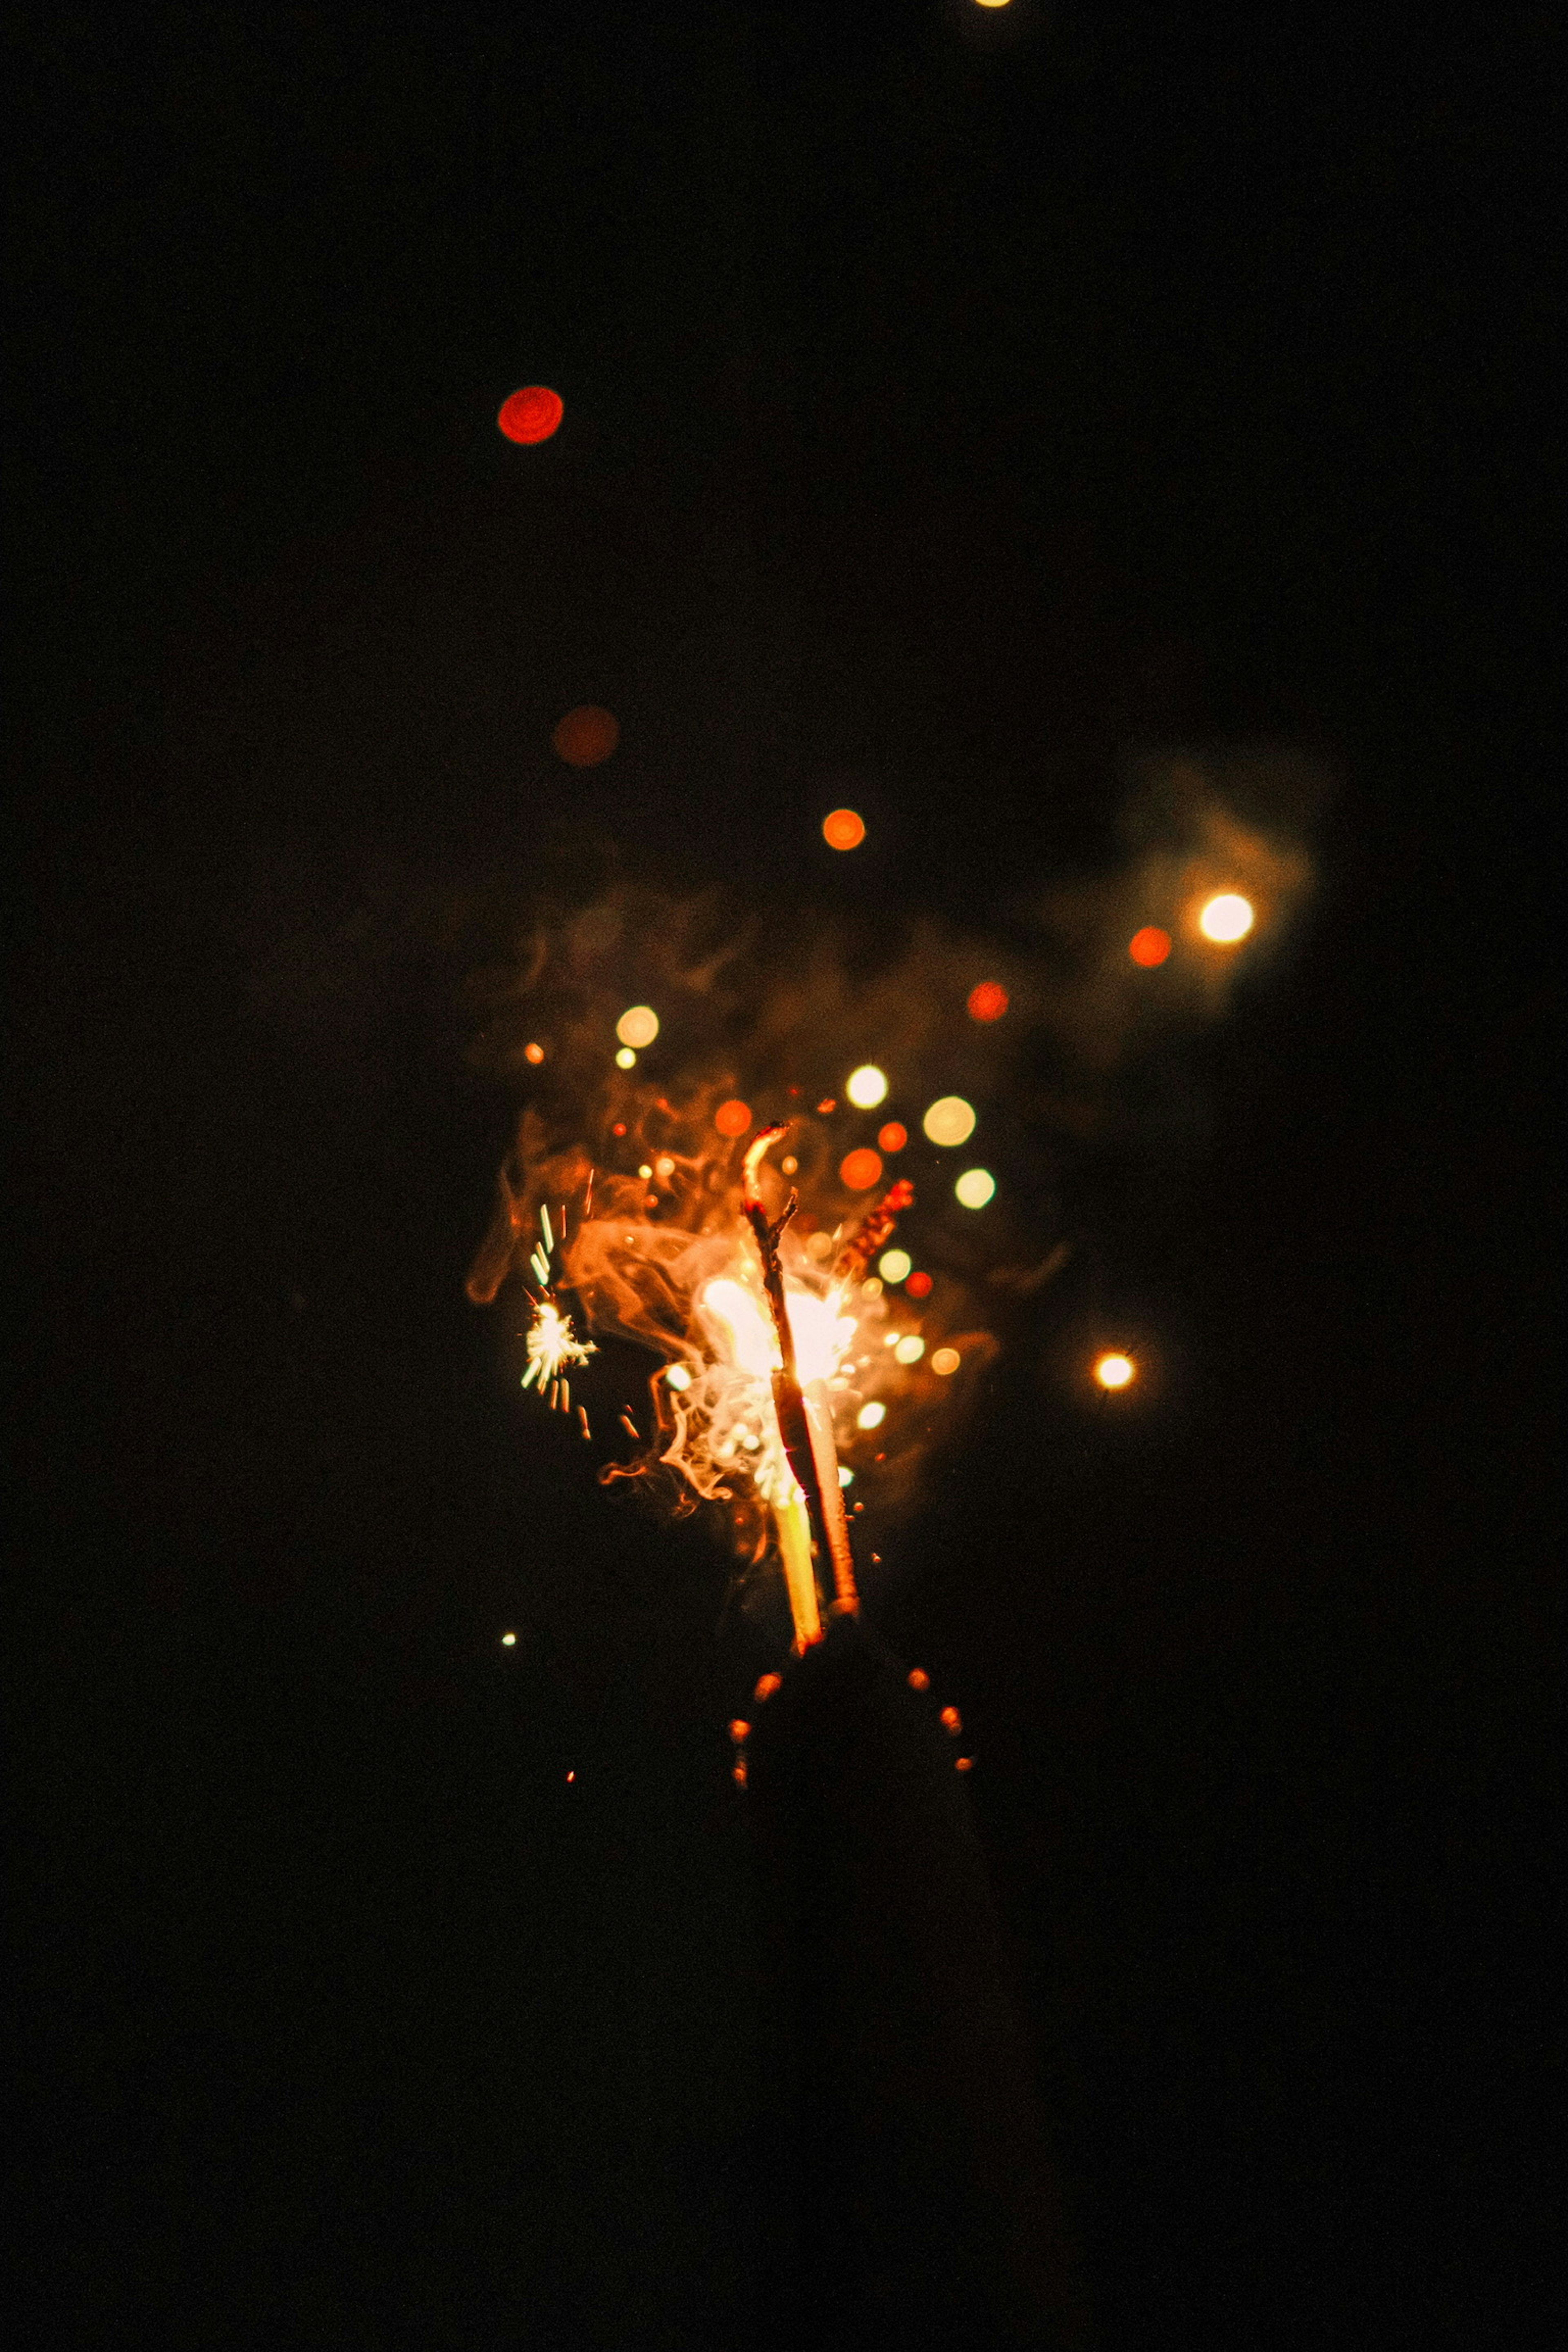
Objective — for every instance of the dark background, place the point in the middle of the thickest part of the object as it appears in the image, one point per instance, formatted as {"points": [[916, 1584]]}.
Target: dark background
{"points": [[951, 401]]}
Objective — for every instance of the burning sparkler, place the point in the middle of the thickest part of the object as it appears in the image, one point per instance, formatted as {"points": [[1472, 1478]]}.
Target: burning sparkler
{"points": [[552, 1342]]}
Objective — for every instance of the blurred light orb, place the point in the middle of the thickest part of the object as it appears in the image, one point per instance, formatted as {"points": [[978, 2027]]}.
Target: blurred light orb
{"points": [[1114, 1370], [586, 735], [867, 1087], [531, 414], [626, 1059], [910, 1349], [988, 1001], [665, 1167], [533, 1053], [845, 1477], [844, 829], [733, 1118], [893, 1136], [1150, 946], [919, 1285], [871, 1416], [945, 1362], [859, 1169], [638, 1025], [508, 1641], [893, 1265], [789, 1163], [1226, 918], [950, 1120], [677, 1377], [976, 1187]]}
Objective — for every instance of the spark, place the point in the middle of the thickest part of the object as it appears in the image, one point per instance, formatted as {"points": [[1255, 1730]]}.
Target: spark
{"points": [[544, 1225], [1114, 1370], [552, 1343], [531, 414], [508, 1641], [533, 1053], [867, 1087]]}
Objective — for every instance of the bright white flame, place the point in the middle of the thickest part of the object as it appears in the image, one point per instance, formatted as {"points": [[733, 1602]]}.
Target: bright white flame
{"points": [[867, 1087], [871, 1416], [745, 1330], [893, 1265], [950, 1120], [1114, 1371], [1226, 918], [638, 1025], [976, 1187], [910, 1349]]}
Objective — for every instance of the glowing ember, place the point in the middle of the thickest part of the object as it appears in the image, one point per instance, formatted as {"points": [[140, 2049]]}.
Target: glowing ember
{"points": [[533, 1053]]}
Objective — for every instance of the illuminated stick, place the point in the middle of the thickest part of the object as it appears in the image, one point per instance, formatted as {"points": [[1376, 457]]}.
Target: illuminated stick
{"points": [[792, 1527], [808, 1451]]}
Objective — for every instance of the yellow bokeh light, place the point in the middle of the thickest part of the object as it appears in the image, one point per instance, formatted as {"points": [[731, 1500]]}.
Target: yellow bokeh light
{"points": [[950, 1120], [1226, 918], [508, 1641], [638, 1025], [626, 1059], [1114, 1370], [867, 1087], [976, 1187], [871, 1416], [910, 1347], [893, 1265], [946, 1361]]}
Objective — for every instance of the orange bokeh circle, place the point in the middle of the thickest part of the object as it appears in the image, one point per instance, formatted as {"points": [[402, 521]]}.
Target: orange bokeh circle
{"points": [[892, 1138], [531, 414], [843, 829], [859, 1169], [919, 1285], [988, 1001], [733, 1118], [1150, 946], [586, 735]]}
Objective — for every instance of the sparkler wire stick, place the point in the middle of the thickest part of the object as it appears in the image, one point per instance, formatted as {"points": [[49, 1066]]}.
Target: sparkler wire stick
{"points": [[804, 1449]]}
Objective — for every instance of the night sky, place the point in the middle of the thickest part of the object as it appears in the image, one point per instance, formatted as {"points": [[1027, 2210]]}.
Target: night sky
{"points": [[958, 404]]}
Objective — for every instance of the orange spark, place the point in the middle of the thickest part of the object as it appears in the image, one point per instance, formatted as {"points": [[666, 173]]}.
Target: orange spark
{"points": [[1150, 946], [861, 1170], [843, 828], [531, 414], [988, 1001]]}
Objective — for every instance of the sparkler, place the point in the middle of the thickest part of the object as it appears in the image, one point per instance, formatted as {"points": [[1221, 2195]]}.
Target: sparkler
{"points": [[806, 1428], [552, 1342]]}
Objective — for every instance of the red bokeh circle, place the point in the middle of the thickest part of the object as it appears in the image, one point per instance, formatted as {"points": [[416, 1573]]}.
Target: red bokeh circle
{"points": [[531, 414]]}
